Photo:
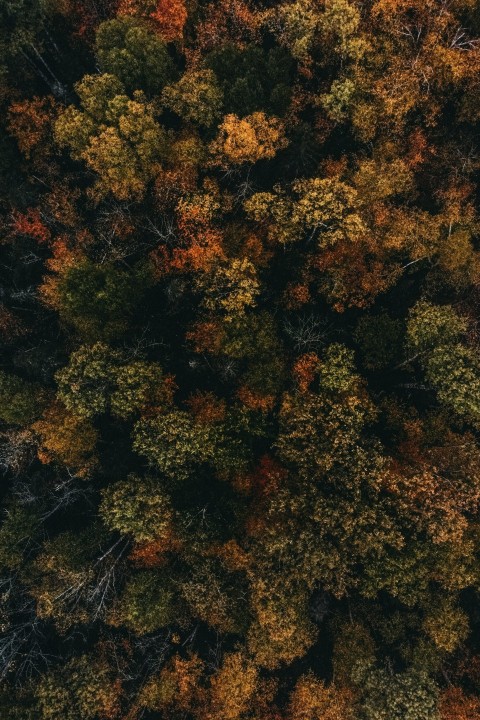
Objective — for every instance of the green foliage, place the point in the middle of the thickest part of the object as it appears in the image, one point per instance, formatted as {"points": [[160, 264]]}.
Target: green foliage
{"points": [[138, 507], [86, 383], [99, 379], [406, 696], [20, 401], [322, 206], [98, 300], [127, 48], [147, 603], [338, 101], [252, 79], [81, 690], [138, 385], [174, 442], [454, 372], [19, 527], [379, 338], [432, 325]]}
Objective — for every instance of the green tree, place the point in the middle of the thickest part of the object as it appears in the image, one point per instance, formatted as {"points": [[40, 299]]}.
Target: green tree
{"points": [[86, 383], [99, 300], [99, 379], [83, 689], [406, 696], [20, 401], [174, 442], [138, 507], [147, 603], [252, 79], [127, 48]]}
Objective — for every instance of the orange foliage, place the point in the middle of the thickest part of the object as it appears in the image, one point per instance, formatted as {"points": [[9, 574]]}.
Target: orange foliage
{"points": [[304, 370], [265, 480], [170, 16], [205, 243], [30, 121], [312, 700], [172, 184], [296, 295], [248, 139], [436, 503], [254, 400], [152, 554], [357, 273], [202, 244], [207, 337], [167, 16], [455, 705], [229, 18], [177, 687], [61, 205], [66, 438], [232, 688], [234, 557], [418, 149], [206, 407], [30, 223], [254, 249], [64, 257]]}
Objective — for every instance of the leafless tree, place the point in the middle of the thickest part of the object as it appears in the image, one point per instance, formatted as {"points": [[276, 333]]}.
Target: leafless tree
{"points": [[307, 331], [22, 638]]}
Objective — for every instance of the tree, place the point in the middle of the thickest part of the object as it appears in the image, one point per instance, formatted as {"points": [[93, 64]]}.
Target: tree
{"points": [[66, 438], [404, 695], [168, 16], [30, 122], [99, 379], [231, 288], [233, 688], [82, 689], [117, 137], [138, 507], [213, 595], [432, 325], [196, 97], [452, 368], [454, 372], [86, 383], [98, 301], [312, 700], [140, 385], [127, 48], [146, 604], [173, 442], [281, 631], [20, 401], [325, 207], [73, 578], [177, 687], [457, 705], [248, 140]]}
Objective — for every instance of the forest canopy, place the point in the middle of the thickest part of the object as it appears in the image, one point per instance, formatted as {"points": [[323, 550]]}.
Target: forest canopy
{"points": [[240, 368]]}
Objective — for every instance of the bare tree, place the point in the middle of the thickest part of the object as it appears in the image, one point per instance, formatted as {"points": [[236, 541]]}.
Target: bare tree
{"points": [[307, 331]]}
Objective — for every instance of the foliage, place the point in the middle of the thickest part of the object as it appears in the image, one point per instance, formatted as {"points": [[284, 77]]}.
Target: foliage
{"points": [[240, 369], [127, 49]]}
